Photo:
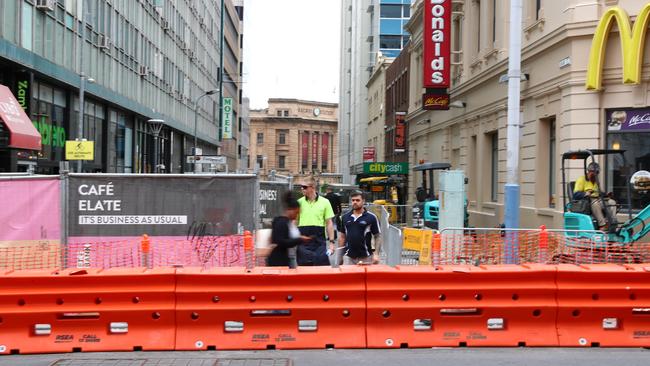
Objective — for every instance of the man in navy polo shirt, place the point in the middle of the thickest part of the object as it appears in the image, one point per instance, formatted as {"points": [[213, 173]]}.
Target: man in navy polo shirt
{"points": [[359, 227]]}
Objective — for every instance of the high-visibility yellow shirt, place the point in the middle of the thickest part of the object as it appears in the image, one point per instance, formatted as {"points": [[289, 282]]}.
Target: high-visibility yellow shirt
{"points": [[315, 213], [583, 185]]}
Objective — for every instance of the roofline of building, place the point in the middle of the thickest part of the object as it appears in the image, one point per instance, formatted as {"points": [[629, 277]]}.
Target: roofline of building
{"points": [[303, 101]]}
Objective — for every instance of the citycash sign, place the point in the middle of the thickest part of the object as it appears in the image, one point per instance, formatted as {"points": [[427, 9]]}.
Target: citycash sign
{"points": [[632, 45], [437, 43], [385, 168]]}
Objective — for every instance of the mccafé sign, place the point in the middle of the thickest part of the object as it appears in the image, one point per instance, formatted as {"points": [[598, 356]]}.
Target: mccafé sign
{"points": [[437, 43], [632, 44], [435, 101]]}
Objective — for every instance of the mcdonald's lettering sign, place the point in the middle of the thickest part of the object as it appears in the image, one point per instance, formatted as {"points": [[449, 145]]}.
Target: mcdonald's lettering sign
{"points": [[632, 43]]}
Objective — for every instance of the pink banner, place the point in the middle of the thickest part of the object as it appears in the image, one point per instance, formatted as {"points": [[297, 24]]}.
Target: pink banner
{"points": [[31, 212], [314, 151], [305, 149], [325, 151]]}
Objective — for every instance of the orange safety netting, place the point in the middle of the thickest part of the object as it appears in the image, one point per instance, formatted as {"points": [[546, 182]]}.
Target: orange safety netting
{"points": [[206, 252], [534, 247]]}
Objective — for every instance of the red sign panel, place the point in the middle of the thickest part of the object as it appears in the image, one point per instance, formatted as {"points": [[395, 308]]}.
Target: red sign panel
{"points": [[369, 154], [325, 145], [437, 43], [305, 149], [400, 132], [314, 151], [435, 101], [22, 133]]}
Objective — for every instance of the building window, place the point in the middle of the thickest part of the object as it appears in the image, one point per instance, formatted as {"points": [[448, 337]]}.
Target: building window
{"points": [[282, 162], [282, 138], [260, 161], [390, 11], [278, 113], [388, 41], [494, 166], [538, 7], [260, 138], [286, 113]]}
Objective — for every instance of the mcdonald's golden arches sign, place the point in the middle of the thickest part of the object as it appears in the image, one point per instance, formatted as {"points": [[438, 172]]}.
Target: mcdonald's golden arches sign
{"points": [[632, 43]]}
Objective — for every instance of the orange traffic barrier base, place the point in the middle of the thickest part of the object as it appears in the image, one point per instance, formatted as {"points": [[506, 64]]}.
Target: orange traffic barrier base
{"points": [[450, 306], [87, 310], [267, 308]]}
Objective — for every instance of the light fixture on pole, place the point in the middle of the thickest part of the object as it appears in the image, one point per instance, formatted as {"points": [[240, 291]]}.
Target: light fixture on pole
{"points": [[155, 126], [458, 104], [196, 115]]}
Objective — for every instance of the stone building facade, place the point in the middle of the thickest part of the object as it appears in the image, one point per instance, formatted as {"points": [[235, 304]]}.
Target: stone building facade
{"points": [[295, 137]]}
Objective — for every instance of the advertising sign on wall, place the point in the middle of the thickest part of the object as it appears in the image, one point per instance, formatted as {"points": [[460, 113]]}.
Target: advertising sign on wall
{"points": [[628, 119], [400, 132], [305, 149], [435, 101], [226, 118], [270, 204], [437, 43], [314, 151], [369, 154], [325, 150]]}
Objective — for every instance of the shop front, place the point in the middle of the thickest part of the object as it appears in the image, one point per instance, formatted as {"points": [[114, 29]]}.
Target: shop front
{"points": [[17, 133], [628, 129]]}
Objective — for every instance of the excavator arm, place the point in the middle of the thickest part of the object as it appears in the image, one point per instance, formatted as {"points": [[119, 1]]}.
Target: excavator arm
{"points": [[635, 228]]}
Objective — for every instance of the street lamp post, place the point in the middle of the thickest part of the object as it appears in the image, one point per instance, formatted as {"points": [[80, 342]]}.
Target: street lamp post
{"points": [[155, 125], [82, 77], [196, 116]]}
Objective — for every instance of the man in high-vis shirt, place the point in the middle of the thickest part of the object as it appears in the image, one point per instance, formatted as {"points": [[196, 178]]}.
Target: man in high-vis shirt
{"points": [[315, 221], [587, 186]]}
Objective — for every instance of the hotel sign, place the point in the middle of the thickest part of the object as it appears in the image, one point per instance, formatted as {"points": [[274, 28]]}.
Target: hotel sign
{"points": [[437, 43], [632, 45], [226, 118]]}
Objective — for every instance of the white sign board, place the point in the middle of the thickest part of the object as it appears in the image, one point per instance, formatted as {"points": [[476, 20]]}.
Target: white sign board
{"points": [[207, 159]]}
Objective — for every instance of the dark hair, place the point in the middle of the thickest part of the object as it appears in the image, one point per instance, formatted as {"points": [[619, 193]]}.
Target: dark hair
{"points": [[290, 201], [358, 193]]}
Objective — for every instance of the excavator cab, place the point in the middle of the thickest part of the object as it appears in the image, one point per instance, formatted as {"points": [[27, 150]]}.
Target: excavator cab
{"points": [[577, 219]]}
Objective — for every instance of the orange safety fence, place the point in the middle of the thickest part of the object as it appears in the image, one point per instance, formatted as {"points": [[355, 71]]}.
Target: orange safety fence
{"points": [[450, 306], [603, 305], [87, 310], [151, 252], [271, 308], [530, 246]]}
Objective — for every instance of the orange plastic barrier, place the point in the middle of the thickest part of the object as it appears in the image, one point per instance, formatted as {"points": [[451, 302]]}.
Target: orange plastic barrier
{"points": [[504, 305], [87, 310], [604, 305], [269, 308]]}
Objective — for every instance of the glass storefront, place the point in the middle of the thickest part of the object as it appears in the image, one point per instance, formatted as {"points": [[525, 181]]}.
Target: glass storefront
{"points": [[629, 130], [49, 118], [120, 149]]}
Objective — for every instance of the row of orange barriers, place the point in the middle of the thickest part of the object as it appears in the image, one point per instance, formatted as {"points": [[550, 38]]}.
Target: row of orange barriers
{"points": [[348, 307]]}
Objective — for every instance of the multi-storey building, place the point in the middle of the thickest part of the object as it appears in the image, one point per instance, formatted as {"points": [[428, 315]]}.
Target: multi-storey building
{"points": [[558, 112], [139, 60], [368, 27], [297, 138]]}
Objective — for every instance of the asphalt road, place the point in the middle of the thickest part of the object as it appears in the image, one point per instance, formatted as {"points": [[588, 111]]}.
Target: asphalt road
{"points": [[406, 357]]}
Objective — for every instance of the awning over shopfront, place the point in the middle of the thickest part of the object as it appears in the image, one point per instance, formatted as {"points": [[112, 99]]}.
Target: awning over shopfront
{"points": [[22, 133]]}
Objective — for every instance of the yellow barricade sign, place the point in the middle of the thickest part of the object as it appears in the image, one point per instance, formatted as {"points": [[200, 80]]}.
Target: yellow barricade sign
{"points": [[412, 239], [79, 150], [425, 249]]}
